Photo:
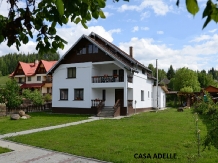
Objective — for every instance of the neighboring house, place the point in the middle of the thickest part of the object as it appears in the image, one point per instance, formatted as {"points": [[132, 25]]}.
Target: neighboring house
{"points": [[33, 75], [94, 71]]}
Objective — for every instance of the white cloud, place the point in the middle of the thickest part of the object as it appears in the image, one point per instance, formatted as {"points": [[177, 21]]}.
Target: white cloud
{"points": [[196, 57], [158, 6], [108, 14], [136, 28], [145, 28], [71, 34], [212, 31], [201, 38], [160, 32], [145, 15]]}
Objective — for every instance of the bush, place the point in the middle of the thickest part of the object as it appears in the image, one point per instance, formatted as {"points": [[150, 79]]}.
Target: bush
{"points": [[47, 97], [35, 96]]}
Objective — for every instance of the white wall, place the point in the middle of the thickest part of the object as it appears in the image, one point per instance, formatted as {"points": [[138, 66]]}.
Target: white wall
{"points": [[82, 80], [161, 97], [140, 82], [34, 79]]}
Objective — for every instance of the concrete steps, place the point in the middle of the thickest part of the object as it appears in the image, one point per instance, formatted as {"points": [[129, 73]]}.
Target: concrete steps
{"points": [[107, 111]]}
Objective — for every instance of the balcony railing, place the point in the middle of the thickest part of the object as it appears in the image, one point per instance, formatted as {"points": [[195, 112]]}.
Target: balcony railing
{"points": [[107, 79], [96, 102], [47, 80]]}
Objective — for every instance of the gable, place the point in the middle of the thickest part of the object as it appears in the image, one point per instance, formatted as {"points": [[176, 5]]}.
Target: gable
{"points": [[85, 51], [19, 71], [41, 69]]}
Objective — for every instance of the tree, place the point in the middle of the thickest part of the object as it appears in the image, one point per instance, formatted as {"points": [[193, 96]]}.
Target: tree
{"points": [[35, 96], [170, 72], [44, 15], [185, 77], [206, 79], [9, 95]]}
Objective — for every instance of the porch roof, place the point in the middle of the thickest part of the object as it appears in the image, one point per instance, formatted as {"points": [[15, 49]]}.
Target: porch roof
{"points": [[35, 85]]}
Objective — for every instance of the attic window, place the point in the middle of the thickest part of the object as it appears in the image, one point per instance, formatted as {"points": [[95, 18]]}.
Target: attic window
{"points": [[82, 51], [92, 49], [143, 71]]}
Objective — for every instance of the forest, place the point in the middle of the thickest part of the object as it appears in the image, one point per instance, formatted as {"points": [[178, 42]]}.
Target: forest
{"points": [[182, 79], [9, 62]]}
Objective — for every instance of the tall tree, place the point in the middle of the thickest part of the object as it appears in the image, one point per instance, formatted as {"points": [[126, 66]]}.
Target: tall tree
{"points": [[185, 77], [170, 72]]}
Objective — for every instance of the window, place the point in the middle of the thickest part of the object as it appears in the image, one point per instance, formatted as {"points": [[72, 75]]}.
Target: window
{"points": [[95, 49], [90, 48], [78, 94], [20, 80], [151, 94], [38, 78], [82, 51], [143, 71], [29, 78], [63, 94], [148, 94], [142, 95], [71, 72]]}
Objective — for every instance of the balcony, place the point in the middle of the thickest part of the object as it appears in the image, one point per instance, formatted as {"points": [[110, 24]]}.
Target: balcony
{"points": [[48, 80], [107, 79]]}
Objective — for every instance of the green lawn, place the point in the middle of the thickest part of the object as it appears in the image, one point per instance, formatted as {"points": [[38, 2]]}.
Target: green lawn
{"points": [[37, 120], [4, 150], [3, 80], [118, 141]]}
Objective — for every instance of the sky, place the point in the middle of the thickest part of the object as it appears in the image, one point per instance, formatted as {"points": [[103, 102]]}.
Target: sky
{"points": [[156, 29]]}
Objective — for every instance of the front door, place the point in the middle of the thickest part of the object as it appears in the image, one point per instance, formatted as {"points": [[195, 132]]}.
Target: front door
{"points": [[119, 95]]}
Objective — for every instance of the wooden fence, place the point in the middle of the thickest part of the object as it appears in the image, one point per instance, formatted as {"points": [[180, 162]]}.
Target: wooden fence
{"points": [[29, 109]]}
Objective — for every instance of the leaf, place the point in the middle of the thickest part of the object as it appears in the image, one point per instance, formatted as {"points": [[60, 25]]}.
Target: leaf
{"points": [[177, 3], [25, 40], [101, 3], [77, 20], [84, 25], [102, 14], [1, 38], [192, 6], [214, 16], [95, 14], [207, 10], [206, 22], [60, 6]]}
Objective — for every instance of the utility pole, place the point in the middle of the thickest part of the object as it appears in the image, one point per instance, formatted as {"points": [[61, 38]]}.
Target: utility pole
{"points": [[157, 83]]}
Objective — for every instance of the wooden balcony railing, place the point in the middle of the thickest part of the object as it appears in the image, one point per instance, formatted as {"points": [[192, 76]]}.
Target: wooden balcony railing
{"points": [[47, 81], [107, 79]]}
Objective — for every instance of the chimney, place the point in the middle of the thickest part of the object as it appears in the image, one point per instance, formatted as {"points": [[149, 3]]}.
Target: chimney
{"points": [[130, 52], [36, 62]]}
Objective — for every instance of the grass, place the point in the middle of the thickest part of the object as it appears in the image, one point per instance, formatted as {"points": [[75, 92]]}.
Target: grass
{"points": [[3, 80], [4, 150], [118, 141], [37, 120]]}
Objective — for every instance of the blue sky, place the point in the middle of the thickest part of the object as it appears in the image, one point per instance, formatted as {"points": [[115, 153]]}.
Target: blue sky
{"points": [[157, 29]]}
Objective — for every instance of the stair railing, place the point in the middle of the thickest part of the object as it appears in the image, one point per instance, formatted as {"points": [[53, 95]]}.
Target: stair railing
{"points": [[117, 108], [100, 106]]}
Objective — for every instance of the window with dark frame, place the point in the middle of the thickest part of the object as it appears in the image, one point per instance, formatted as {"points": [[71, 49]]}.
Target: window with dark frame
{"points": [[63, 94], [78, 94], [95, 49], [143, 71], [29, 78], [20, 80], [148, 94], [71, 72], [142, 95], [90, 48], [38, 78]]}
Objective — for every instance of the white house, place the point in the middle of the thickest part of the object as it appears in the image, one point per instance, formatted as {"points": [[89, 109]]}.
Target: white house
{"points": [[93, 74]]}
